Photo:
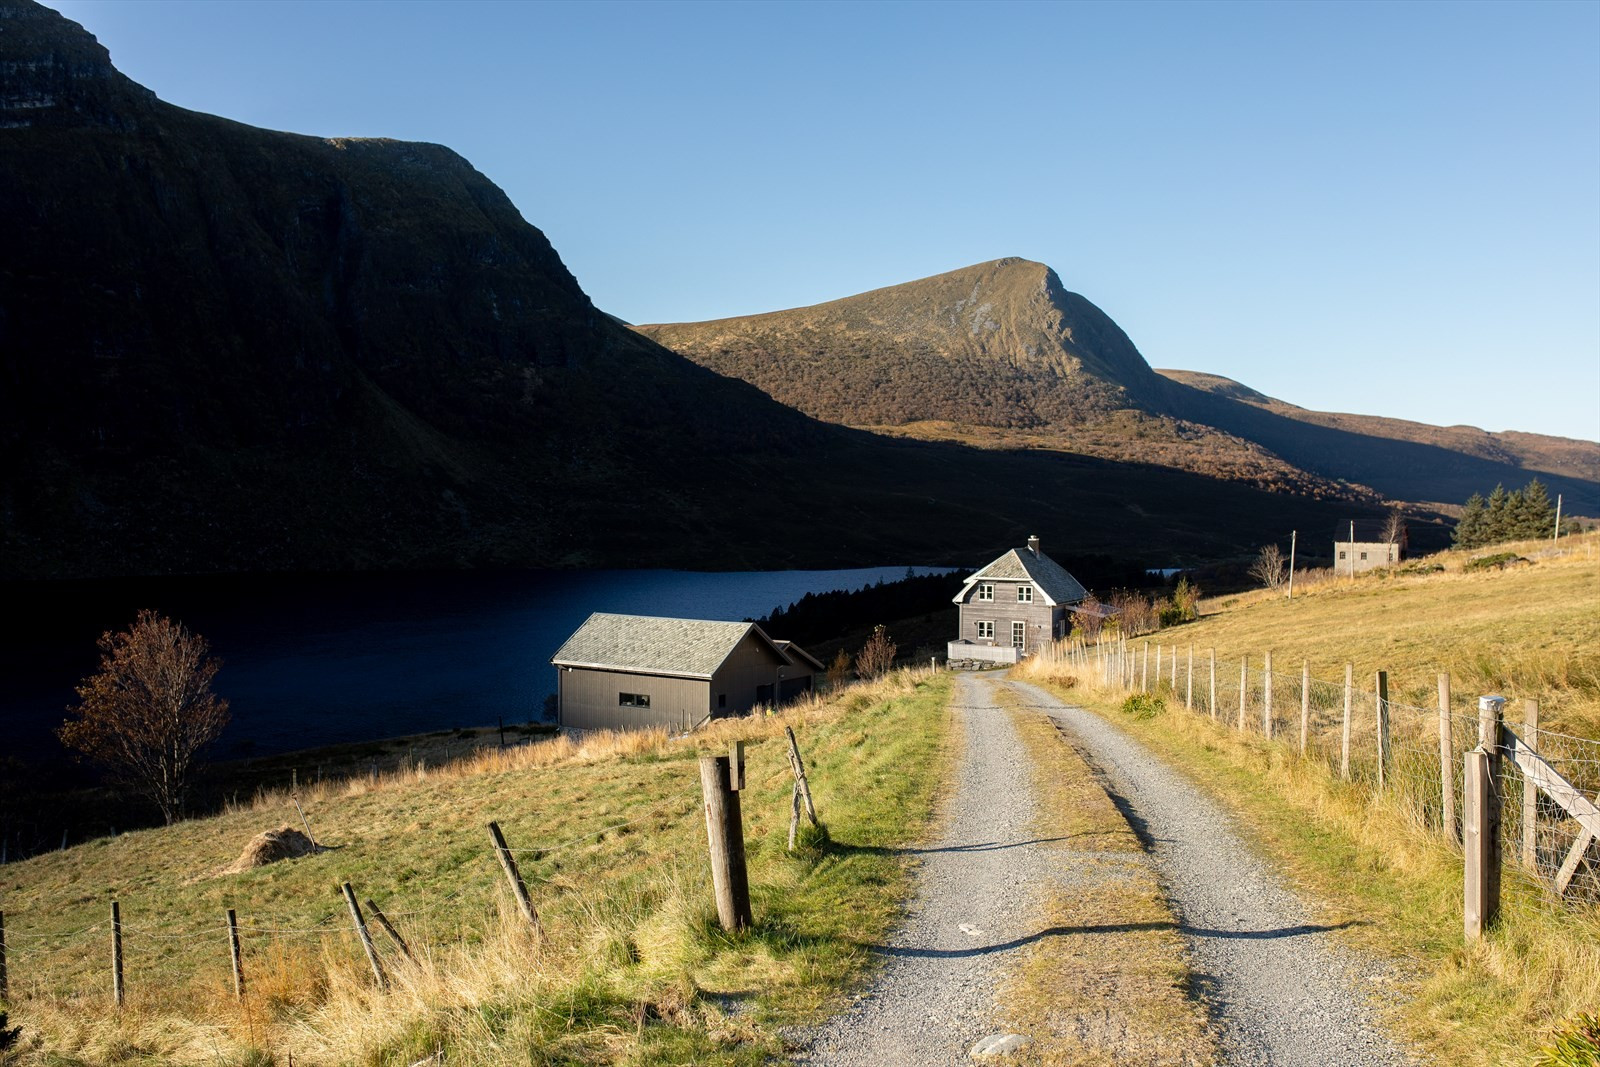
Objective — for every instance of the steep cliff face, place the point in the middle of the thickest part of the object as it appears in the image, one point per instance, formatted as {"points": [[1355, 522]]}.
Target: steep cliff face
{"points": [[1000, 344], [230, 347]]}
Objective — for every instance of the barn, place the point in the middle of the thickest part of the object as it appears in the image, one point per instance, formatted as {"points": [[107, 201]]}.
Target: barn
{"points": [[623, 672]]}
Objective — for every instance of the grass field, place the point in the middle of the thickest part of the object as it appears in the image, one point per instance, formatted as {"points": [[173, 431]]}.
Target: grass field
{"points": [[1529, 631], [611, 840]]}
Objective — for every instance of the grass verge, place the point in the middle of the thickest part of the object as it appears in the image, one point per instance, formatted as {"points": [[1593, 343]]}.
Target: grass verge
{"points": [[1110, 986], [1361, 858], [611, 841]]}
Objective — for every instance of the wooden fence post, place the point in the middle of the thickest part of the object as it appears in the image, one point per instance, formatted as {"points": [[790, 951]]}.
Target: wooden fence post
{"points": [[1491, 716], [117, 991], [799, 767], [1305, 705], [725, 834], [1174, 672], [1188, 682], [233, 951], [1349, 701], [1213, 685], [1144, 674], [508, 863], [1530, 792], [1380, 690], [1447, 763], [1266, 697], [1158, 664], [1478, 836], [388, 928], [1244, 687], [365, 935], [3, 978]]}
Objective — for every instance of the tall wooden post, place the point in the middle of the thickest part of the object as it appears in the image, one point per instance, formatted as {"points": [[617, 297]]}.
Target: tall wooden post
{"points": [[1305, 705], [1491, 716], [1213, 685], [233, 951], [508, 863], [3, 978], [1266, 698], [1530, 792], [1188, 682], [1174, 672], [1294, 536], [117, 991], [1244, 688], [1478, 837], [725, 835], [365, 935], [1144, 673], [1159, 650], [1349, 701], [1447, 763], [1380, 692]]}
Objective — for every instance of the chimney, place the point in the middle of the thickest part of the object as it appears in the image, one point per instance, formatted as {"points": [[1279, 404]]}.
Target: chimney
{"points": [[1033, 545]]}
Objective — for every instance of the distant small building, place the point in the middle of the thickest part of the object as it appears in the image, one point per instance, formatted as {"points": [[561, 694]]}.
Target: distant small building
{"points": [[1361, 546], [633, 671], [1013, 606]]}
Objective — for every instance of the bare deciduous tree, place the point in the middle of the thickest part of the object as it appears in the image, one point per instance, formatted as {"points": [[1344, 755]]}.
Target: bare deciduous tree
{"points": [[1393, 526], [149, 711], [877, 655], [1269, 568]]}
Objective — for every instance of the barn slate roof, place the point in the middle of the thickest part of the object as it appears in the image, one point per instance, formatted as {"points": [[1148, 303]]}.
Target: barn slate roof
{"points": [[647, 644], [1026, 565]]}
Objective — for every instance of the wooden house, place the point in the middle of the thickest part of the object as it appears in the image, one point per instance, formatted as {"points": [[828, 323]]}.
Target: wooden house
{"points": [[1014, 605], [632, 671]]}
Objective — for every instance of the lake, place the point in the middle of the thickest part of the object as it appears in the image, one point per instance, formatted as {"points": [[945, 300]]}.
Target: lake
{"points": [[315, 660]]}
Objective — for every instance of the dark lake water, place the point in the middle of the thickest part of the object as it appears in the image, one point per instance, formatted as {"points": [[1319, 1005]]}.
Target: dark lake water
{"points": [[314, 660]]}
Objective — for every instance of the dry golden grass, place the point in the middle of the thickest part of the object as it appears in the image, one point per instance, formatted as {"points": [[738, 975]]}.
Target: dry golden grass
{"points": [[1112, 988], [1362, 855], [611, 840]]}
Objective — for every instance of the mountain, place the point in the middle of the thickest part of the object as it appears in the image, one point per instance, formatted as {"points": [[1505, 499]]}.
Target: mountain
{"points": [[1003, 355], [231, 349]]}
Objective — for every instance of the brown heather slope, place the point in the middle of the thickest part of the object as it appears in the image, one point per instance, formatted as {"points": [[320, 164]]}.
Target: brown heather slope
{"points": [[1002, 355]]}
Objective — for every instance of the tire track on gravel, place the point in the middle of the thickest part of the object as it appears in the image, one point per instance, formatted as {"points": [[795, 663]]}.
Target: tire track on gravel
{"points": [[1280, 990]]}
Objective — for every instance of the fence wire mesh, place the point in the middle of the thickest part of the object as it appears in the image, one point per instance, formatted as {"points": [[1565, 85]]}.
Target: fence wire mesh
{"points": [[1409, 753]]}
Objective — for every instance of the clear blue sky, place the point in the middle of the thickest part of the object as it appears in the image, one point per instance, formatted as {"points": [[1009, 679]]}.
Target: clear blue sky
{"points": [[1390, 209]]}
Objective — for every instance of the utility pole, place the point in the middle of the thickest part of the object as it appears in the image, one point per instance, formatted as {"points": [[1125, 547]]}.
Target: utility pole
{"points": [[1556, 535], [1352, 550], [1293, 536]]}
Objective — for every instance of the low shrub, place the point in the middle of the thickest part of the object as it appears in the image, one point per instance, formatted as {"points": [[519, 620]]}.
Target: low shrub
{"points": [[1498, 561], [1143, 706], [1576, 1044]]}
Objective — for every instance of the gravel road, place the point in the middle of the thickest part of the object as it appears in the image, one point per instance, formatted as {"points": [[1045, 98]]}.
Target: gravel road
{"points": [[1279, 989], [974, 910]]}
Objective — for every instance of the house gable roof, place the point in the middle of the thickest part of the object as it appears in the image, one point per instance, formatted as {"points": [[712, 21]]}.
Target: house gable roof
{"points": [[645, 644], [1026, 565]]}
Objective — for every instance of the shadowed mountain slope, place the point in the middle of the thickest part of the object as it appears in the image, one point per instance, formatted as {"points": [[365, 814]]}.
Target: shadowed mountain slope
{"points": [[1002, 355], [226, 348]]}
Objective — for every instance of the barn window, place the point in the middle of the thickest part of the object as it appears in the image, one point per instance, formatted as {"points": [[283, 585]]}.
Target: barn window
{"points": [[1019, 634], [986, 591], [1024, 594], [986, 630], [634, 700]]}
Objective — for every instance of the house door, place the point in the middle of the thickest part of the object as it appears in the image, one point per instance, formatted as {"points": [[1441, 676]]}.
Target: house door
{"points": [[763, 694]]}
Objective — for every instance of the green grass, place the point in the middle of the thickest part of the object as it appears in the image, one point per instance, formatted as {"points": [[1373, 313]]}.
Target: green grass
{"points": [[635, 969]]}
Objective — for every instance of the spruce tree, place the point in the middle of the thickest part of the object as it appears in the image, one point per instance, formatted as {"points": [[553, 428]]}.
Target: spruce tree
{"points": [[1536, 517], [1496, 519], [1469, 532]]}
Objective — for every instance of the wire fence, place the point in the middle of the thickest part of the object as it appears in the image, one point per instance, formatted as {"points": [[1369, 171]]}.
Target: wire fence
{"points": [[165, 960], [1408, 754]]}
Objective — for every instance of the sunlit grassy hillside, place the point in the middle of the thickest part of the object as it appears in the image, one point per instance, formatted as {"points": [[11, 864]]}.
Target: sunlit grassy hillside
{"points": [[1529, 630], [611, 838]]}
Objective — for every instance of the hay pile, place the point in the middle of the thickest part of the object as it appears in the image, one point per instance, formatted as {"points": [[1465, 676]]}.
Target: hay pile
{"points": [[270, 846]]}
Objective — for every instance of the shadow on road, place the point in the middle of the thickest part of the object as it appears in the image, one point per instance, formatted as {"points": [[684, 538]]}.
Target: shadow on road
{"points": [[1300, 930]]}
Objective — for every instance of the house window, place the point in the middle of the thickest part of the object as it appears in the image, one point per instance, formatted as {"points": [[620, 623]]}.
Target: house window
{"points": [[1024, 594], [1019, 634], [633, 700], [1341, 553], [1363, 555], [985, 631], [986, 591]]}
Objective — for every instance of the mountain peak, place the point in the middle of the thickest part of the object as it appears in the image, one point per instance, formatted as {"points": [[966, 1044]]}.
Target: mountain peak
{"points": [[57, 74], [1001, 343]]}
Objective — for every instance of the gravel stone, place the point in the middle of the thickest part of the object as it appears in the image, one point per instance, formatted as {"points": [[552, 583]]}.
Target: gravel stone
{"points": [[1281, 991]]}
